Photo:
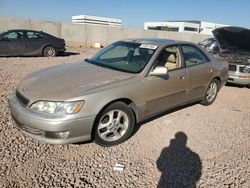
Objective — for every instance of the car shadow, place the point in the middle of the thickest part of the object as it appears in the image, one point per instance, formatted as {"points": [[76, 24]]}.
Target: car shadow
{"points": [[60, 54], [235, 85], [65, 54], [178, 164], [83, 142], [139, 125]]}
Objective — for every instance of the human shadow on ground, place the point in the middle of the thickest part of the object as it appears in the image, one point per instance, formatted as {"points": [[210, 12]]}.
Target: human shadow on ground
{"points": [[180, 167]]}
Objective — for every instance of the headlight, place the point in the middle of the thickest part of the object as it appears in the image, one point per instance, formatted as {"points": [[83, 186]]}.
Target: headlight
{"points": [[246, 70], [57, 107]]}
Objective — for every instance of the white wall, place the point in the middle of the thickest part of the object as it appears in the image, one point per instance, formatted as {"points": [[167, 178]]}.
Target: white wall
{"points": [[180, 25], [87, 35], [208, 27]]}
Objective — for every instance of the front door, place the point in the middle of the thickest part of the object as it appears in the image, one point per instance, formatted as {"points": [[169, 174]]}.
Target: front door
{"points": [[12, 44], [164, 92]]}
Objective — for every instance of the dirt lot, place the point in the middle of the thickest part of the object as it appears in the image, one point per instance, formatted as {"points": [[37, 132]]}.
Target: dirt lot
{"points": [[195, 145]]}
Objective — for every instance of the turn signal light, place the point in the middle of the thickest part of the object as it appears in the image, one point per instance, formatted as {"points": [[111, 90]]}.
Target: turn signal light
{"points": [[244, 76]]}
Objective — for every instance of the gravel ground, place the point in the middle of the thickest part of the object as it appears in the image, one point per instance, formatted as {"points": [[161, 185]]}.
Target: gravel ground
{"points": [[195, 145]]}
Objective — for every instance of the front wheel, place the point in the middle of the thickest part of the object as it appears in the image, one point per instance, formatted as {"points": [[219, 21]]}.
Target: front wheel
{"points": [[49, 51], [211, 93], [114, 125]]}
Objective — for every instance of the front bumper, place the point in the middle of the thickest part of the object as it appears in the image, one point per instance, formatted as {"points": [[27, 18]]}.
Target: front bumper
{"points": [[239, 78], [50, 128]]}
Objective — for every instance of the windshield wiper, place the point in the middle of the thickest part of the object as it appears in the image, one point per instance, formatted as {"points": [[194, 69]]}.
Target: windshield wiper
{"points": [[108, 67]]}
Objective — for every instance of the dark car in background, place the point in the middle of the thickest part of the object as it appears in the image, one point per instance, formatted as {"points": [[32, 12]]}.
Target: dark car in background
{"points": [[30, 43]]}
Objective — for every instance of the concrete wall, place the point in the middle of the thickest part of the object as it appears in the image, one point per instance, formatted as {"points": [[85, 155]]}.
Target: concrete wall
{"points": [[54, 28], [87, 35]]}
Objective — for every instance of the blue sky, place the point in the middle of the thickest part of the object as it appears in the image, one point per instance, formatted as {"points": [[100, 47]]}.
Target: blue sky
{"points": [[132, 12]]}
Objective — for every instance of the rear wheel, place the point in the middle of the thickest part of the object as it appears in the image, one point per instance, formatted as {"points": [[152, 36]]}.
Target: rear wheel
{"points": [[114, 125], [211, 93], [49, 51]]}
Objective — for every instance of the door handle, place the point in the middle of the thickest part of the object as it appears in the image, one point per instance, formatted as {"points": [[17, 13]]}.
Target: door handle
{"points": [[182, 77]]}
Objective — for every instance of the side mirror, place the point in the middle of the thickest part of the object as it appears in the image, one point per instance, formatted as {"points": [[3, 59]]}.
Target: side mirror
{"points": [[159, 71]]}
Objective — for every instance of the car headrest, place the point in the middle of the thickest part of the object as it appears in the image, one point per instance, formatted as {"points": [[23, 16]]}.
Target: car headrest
{"points": [[171, 58]]}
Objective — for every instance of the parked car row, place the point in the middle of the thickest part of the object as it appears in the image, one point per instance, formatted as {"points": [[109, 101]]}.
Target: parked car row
{"points": [[30, 43], [104, 97], [232, 45]]}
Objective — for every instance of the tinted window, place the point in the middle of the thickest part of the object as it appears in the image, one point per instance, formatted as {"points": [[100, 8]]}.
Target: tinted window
{"points": [[164, 28], [190, 29], [193, 55], [13, 36], [169, 58], [34, 35], [124, 56]]}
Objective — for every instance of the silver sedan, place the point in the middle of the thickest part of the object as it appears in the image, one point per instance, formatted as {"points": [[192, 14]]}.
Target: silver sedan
{"points": [[104, 97]]}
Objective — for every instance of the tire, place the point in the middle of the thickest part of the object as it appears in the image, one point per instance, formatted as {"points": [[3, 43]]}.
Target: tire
{"points": [[114, 125], [211, 93], [49, 51]]}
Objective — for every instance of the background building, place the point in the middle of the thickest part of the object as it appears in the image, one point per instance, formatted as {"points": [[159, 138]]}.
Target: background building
{"points": [[96, 20], [191, 26]]}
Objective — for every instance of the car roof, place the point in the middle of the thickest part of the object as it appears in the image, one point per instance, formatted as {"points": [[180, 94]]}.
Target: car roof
{"points": [[23, 30], [156, 41]]}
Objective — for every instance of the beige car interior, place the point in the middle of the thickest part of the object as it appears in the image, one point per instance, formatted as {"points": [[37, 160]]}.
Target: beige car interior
{"points": [[173, 60], [170, 58]]}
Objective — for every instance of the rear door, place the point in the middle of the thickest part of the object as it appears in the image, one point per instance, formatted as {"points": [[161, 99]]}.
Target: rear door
{"points": [[164, 92], [12, 44], [199, 71], [34, 43]]}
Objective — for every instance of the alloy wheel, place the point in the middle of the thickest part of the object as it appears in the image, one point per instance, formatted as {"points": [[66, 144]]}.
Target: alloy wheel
{"points": [[211, 92], [49, 51], [113, 125]]}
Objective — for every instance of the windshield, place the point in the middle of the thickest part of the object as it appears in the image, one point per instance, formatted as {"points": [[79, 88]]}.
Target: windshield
{"points": [[124, 56]]}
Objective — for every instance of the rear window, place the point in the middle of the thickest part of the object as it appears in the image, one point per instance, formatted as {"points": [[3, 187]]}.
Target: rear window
{"points": [[193, 55], [34, 35]]}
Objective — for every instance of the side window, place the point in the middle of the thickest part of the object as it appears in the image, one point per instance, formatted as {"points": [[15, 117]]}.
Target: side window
{"points": [[169, 58], [13, 36], [193, 55], [34, 35]]}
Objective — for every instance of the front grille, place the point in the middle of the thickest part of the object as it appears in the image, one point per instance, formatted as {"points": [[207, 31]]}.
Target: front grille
{"points": [[232, 67], [247, 70], [21, 98]]}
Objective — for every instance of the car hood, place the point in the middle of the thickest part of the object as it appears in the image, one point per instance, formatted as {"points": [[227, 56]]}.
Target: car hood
{"points": [[233, 38], [68, 81]]}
